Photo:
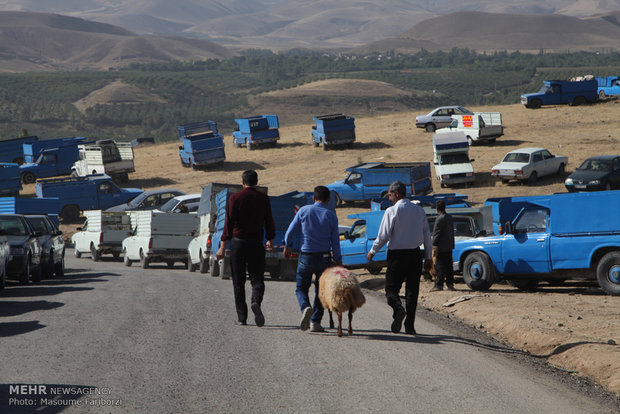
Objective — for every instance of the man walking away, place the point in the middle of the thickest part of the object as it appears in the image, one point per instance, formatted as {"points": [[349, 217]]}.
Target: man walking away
{"points": [[404, 227], [443, 244], [248, 213], [319, 230]]}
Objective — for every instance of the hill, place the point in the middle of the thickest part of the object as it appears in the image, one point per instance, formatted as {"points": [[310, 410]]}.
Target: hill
{"points": [[44, 42], [499, 31]]}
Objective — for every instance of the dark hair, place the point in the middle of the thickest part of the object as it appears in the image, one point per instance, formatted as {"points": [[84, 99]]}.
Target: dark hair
{"points": [[250, 178], [398, 187], [441, 206], [321, 193]]}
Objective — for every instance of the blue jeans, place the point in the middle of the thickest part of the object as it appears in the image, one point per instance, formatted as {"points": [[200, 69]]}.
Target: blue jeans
{"points": [[308, 265]]}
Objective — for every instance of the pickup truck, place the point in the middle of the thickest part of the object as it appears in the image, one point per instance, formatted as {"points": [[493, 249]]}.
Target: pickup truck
{"points": [[479, 127], [52, 162], [256, 130], [372, 179], [103, 232], [93, 192], [32, 150], [552, 238], [451, 159], [608, 86], [202, 145], [159, 237], [334, 129], [10, 179], [529, 164], [12, 150], [556, 92], [115, 159]]}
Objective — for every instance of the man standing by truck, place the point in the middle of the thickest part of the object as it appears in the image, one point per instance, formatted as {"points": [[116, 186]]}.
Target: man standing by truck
{"points": [[405, 226], [443, 243], [319, 229], [248, 213]]}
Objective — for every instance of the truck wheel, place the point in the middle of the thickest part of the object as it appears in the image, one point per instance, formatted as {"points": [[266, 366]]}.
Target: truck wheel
{"points": [[579, 100], [249, 145], [36, 272], [470, 141], [190, 266], [529, 285], [533, 177], [116, 255], [24, 276], [505, 181], [203, 264], [94, 253], [70, 213], [214, 268], [601, 95], [535, 104], [59, 268], [3, 279], [28, 178], [77, 253], [144, 261], [236, 144], [478, 271], [492, 141], [314, 143], [274, 272], [430, 127], [561, 169], [126, 259], [608, 273], [323, 146]]}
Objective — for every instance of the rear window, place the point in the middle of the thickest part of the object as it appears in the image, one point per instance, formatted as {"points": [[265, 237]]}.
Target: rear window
{"points": [[13, 226]]}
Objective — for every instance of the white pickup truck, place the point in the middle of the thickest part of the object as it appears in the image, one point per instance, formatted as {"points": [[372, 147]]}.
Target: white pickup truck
{"points": [[478, 127], [159, 237], [115, 159], [103, 232]]}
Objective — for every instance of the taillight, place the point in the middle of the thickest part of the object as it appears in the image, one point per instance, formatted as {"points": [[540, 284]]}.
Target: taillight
{"points": [[209, 242], [101, 237], [150, 243], [501, 230], [518, 171]]}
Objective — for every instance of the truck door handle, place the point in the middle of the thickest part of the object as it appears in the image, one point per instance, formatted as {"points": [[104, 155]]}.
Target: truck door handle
{"points": [[540, 240]]}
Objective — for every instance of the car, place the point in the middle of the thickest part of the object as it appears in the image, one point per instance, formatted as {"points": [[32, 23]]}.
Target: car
{"points": [[4, 257], [440, 117], [52, 244], [601, 172], [148, 200], [187, 203], [529, 164], [25, 249]]}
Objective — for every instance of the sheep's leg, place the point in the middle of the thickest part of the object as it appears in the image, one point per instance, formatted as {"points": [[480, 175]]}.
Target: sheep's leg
{"points": [[331, 320], [350, 319], [339, 323]]}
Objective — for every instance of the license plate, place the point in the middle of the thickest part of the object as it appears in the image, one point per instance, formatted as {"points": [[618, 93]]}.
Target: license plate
{"points": [[580, 186]]}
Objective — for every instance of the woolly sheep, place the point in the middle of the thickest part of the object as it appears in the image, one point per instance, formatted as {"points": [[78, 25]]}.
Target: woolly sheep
{"points": [[339, 291]]}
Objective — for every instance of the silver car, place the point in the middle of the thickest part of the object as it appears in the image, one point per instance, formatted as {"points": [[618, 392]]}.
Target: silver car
{"points": [[440, 117]]}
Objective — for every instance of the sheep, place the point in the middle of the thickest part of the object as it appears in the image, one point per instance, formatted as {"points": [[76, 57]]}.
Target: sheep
{"points": [[340, 291]]}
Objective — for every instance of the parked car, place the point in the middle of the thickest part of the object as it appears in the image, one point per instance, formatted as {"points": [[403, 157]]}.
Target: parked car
{"points": [[148, 200], [25, 249], [440, 117], [52, 244], [4, 257], [187, 203], [528, 164], [596, 173]]}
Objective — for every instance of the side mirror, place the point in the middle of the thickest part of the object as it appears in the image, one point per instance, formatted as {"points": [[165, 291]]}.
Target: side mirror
{"points": [[347, 235], [508, 228], [78, 229]]}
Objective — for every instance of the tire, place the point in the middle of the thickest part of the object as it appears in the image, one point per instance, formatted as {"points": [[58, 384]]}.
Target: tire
{"points": [[561, 169], [314, 143], [94, 253], [116, 255], [608, 273], [478, 271], [144, 261], [77, 253], [249, 145], [350, 145], [505, 181], [126, 259], [533, 178], [339, 200], [70, 213], [236, 144], [48, 269], [492, 141], [203, 264], [430, 128], [601, 95], [535, 104], [528, 285], [36, 273], [470, 141], [59, 268], [374, 270], [28, 178], [579, 100], [24, 276], [190, 266], [275, 273], [3, 278]]}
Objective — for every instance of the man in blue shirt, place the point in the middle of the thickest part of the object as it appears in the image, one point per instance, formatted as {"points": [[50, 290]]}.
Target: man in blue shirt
{"points": [[320, 239]]}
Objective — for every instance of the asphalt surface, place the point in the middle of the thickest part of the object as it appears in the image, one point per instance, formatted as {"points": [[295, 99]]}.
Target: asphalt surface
{"points": [[108, 338]]}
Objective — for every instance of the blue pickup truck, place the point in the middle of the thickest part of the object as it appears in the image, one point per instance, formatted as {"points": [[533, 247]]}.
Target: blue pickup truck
{"points": [[11, 150], [10, 179], [256, 130], [552, 238], [334, 129], [557, 92], [608, 86], [52, 162], [32, 150], [372, 179], [93, 192], [202, 145]]}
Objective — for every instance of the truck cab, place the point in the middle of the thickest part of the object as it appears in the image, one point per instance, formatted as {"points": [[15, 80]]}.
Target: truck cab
{"points": [[556, 92], [451, 159], [51, 163]]}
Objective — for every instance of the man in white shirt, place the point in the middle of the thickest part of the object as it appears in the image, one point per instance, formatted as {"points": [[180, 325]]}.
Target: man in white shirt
{"points": [[404, 227]]}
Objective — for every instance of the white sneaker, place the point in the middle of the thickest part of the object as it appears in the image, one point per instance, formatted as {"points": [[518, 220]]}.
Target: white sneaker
{"points": [[316, 327], [305, 319]]}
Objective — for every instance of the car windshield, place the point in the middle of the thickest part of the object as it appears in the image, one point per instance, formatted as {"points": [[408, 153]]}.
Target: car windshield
{"points": [[136, 201], [13, 226], [463, 111], [595, 165], [38, 223], [517, 157], [169, 205], [458, 158]]}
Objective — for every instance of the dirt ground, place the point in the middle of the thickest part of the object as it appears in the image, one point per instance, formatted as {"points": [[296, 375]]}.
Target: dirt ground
{"points": [[575, 326]]}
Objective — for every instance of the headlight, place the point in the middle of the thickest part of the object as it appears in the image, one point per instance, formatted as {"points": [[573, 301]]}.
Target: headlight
{"points": [[568, 181], [594, 182], [445, 176], [469, 174], [17, 250]]}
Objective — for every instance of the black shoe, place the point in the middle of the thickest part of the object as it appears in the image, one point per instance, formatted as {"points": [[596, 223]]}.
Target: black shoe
{"points": [[240, 323], [410, 332], [259, 318], [398, 320]]}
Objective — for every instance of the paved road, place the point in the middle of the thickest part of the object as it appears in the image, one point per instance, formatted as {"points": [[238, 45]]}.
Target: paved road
{"points": [[163, 340]]}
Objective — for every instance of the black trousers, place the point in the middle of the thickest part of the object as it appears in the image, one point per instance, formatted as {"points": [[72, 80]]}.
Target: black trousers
{"points": [[247, 255], [403, 266], [445, 271]]}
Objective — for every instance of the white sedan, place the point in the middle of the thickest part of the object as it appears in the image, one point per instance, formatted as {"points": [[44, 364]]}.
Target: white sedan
{"points": [[529, 164]]}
